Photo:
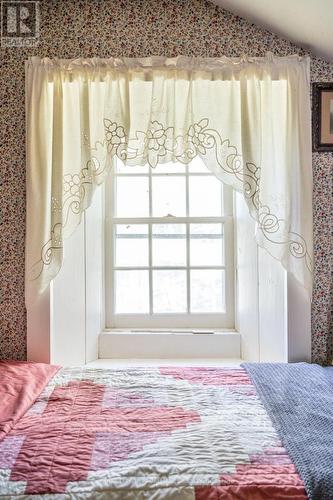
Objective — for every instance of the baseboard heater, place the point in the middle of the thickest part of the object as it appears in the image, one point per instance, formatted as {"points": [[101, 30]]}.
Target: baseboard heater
{"points": [[174, 343]]}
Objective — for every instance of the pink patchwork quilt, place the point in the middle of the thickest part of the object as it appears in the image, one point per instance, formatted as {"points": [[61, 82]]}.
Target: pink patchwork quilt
{"points": [[144, 433]]}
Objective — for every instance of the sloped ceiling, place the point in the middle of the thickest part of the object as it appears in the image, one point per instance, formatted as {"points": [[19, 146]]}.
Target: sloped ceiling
{"points": [[308, 23]]}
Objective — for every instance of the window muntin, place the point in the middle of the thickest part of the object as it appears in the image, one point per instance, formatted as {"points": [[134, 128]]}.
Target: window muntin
{"points": [[169, 248]]}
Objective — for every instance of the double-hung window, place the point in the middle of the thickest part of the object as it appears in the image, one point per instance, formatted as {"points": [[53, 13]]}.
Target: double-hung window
{"points": [[169, 248]]}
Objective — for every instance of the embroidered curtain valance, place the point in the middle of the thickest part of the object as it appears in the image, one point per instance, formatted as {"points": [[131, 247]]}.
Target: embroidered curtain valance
{"points": [[248, 119]]}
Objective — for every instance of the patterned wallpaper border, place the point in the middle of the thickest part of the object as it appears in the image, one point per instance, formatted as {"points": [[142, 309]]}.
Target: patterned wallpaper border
{"points": [[138, 28]]}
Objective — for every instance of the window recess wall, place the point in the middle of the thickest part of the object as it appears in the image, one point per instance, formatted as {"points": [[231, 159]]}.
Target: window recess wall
{"points": [[64, 327], [272, 311]]}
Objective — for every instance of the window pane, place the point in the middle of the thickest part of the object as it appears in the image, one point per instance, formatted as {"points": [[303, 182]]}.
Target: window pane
{"points": [[169, 196], [206, 244], [205, 196], [207, 291], [197, 166], [132, 196], [131, 291], [169, 291], [169, 244], [131, 247], [169, 168], [121, 168]]}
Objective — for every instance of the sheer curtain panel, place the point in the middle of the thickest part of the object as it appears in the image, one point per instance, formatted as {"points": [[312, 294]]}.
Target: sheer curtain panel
{"points": [[247, 118]]}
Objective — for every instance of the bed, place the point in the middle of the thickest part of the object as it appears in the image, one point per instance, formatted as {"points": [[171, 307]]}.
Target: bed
{"points": [[150, 433]]}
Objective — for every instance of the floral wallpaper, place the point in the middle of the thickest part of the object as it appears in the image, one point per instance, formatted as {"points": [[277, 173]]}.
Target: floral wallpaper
{"points": [[138, 28]]}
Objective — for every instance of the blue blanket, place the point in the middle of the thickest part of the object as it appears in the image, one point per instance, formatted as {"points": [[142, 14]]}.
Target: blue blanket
{"points": [[299, 399]]}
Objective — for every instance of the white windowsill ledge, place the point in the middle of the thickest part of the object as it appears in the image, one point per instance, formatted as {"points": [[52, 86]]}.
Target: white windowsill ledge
{"points": [[170, 344], [170, 331], [151, 362]]}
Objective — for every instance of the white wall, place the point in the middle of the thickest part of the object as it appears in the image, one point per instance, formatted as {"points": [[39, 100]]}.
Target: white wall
{"points": [[63, 328], [247, 300], [273, 311], [273, 325], [77, 295], [299, 322], [38, 330], [94, 226], [68, 318]]}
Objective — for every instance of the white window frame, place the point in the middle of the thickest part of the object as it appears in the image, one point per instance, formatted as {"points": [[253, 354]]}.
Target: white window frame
{"points": [[169, 320]]}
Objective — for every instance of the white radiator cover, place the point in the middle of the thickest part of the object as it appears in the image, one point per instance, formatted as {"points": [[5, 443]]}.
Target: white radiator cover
{"points": [[164, 344]]}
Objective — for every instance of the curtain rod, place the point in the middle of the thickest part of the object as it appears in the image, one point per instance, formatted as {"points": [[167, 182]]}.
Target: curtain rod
{"points": [[156, 62]]}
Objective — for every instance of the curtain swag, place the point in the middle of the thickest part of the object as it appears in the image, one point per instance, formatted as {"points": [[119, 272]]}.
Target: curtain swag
{"points": [[248, 119]]}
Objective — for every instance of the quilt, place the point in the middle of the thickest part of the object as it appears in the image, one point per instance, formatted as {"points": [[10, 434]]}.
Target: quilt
{"points": [[147, 433]]}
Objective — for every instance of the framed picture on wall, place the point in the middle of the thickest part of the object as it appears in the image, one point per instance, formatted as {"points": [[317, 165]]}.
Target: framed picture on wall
{"points": [[322, 117]]}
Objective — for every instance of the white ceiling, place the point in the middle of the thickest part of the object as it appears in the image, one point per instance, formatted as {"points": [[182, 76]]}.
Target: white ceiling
{"points": [[308, 23]]}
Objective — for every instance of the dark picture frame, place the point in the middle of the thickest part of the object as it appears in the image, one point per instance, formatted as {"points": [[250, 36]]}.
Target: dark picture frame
{"points": [[322, 117]]}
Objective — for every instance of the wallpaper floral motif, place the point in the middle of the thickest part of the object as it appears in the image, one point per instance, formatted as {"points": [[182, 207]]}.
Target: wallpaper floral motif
{"points": [[138, 28]]}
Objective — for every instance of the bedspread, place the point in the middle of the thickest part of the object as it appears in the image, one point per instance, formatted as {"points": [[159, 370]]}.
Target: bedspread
{"points": [[20, 384], [147, 433], [299, 399]]}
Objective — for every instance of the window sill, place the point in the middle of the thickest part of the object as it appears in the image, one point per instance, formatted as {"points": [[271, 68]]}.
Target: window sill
{"points": [[170, 331]]}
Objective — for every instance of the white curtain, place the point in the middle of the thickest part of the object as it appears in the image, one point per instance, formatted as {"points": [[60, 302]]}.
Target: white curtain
{"points": [[248, 119]]}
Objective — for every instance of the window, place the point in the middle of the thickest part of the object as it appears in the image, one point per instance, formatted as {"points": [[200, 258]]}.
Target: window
{"points": [[169, 248]]}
